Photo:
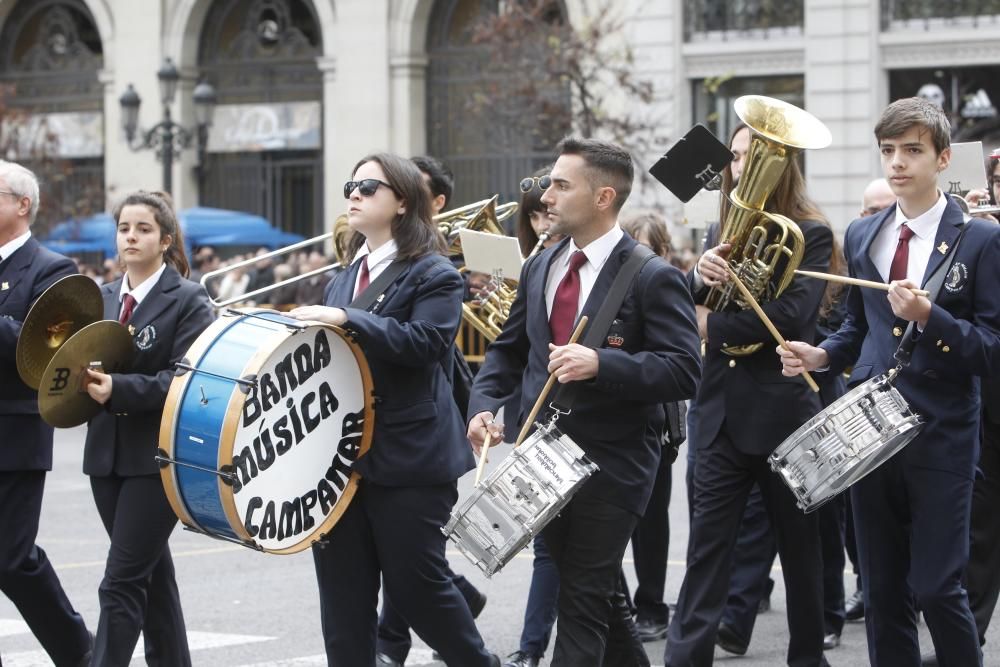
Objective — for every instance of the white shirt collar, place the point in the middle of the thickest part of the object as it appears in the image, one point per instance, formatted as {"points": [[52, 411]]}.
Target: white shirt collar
{"points": [[9, 248], [384, 252], [598, 250], [925, 225], [139, 292]]}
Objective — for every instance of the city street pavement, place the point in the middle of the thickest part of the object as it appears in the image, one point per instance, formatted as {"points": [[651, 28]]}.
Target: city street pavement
{"points": [[246, 608]]}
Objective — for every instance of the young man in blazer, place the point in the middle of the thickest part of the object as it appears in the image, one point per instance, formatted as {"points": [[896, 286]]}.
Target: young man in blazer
{"points": [[912, 513], [650, 356], [26, 575]]}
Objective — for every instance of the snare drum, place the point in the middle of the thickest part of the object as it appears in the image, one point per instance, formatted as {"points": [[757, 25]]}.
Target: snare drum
{"points": [[261, 428], [519, 498], [853, 436]]}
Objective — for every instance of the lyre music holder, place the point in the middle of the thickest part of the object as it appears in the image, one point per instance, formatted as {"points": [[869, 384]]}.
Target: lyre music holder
{"points": [[694, 163]]}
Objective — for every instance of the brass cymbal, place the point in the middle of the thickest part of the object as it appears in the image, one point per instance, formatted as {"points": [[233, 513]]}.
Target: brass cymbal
{"points": [[69, 305], [61, 402]]}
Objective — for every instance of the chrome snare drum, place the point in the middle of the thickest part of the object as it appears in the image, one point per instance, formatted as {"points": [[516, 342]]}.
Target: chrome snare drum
{"points": [[853, 436], [261, 427], [519, 498]]}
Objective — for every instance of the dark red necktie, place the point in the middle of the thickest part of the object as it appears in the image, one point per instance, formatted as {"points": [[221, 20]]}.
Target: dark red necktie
{"points": [[897, 270], [128, 305], [363, 279], [567, 299]]}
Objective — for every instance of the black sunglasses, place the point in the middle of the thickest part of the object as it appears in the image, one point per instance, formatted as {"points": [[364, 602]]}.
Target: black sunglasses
{"points": [[366, 187], [544, 183]]}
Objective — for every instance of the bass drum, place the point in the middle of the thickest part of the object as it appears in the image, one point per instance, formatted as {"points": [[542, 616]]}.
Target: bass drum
{"points": [[261, 428]]}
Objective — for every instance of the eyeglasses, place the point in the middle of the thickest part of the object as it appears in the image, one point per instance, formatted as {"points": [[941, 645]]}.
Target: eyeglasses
{"points": [[366, 187], [544, 183]]}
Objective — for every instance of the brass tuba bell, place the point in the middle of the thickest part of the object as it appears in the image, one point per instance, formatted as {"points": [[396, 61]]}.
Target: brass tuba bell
{"points": [[759, 239], [481, 216]]}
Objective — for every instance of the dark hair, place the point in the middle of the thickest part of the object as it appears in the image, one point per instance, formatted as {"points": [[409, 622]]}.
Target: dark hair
{"points": [[654, 227], [531, 202], [901, 115], [790, 199], [414, 232], [608, 165], [166, 219], [442, 181], [991, 166]]}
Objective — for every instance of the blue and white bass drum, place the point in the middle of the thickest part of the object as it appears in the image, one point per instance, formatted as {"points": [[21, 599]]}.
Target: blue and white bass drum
{"points": [[261, 428]]}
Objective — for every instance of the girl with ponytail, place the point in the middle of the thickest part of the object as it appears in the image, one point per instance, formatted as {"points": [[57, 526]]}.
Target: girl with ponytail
{"points": [[164, 312]]}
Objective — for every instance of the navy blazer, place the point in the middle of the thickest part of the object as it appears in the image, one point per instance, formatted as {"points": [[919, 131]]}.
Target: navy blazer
{"points": [[745, 392], [960, 342], [123, 439], [27, 273], [615, 415], [419, 435]]}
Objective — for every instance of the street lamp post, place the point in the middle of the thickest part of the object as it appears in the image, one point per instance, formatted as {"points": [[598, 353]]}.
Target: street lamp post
{"points": [[168, 138]]}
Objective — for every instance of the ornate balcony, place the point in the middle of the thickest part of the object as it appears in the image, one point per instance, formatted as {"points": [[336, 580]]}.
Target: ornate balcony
{"points": [[741, 19], [930, 14]]}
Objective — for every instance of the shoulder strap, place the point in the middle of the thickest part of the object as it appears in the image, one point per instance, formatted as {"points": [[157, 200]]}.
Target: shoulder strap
{"points": [[377, 287], [598, 327], [933, 286]]}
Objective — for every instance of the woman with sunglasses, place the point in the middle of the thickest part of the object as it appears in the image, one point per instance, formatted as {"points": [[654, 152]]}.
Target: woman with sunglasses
{"points": [[164, 312], [392, 528], [532, 223]]}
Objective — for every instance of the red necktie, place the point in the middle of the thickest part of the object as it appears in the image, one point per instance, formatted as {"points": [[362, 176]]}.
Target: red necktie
{"points": [[566, 301], [128, 305], [363, 279], [897, 270]]}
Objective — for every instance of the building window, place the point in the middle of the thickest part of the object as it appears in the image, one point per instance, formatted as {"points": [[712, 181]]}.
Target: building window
{"points": [[713, 98], [969, 95], [741, 19]]}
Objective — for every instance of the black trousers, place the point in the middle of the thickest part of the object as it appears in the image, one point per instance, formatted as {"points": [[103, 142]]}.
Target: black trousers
{"points": [[831, 530], [650, 546], [139, 591], [983, 573], [913, 539], [393, 534], [587, 542], [723, 478], [26, 575], [394, 632]]}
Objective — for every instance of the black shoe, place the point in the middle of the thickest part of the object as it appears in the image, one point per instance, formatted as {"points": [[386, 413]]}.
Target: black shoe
{"points": [[831, 641], [764, 605], [382, 660], [928, 660], [650, 630], [86, 658], [476, 606], [854, 610], [728, 641], [521, 659]]}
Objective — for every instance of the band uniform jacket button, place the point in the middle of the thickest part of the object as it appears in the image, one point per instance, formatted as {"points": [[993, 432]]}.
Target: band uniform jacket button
{"points": [[939, 343], [732, 363], [946, 349], [897, 332]]}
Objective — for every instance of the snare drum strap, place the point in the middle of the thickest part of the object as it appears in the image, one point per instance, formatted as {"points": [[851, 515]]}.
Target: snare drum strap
{"points": [[599, 326], [377, 288], [933, 287]]}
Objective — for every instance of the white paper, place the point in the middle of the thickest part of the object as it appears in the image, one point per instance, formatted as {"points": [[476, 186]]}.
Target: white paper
{"points": [[966, 171], [491, 253]]}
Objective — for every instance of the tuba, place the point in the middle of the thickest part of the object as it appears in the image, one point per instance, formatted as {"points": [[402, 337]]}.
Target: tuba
{"points": [[481, 216], [761, 239]]}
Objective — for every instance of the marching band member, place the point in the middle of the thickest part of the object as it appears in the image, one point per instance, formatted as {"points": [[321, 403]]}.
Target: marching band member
{"points": [[912, 513], [26, 575], [532, 221], [392, 528], [165, 312], [651, 356], [736, 427]]}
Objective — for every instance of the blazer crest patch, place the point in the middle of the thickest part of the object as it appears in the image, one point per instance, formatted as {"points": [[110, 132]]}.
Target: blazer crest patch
{"points": [[146, 337], [958, 276]]}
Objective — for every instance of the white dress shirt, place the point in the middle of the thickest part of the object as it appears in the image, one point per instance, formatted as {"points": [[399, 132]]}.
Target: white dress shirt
{"points": [[597, 252], [140, 291], [924, 228], [9, 248], [378, 260]]}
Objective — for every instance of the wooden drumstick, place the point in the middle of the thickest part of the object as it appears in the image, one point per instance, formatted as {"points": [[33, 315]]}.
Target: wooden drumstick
{"points": [[834, 278], [548, 387], [481, 466], [767, 322]]}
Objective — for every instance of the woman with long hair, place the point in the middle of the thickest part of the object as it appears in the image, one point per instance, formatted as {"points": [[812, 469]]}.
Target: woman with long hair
{"points": [[531, 219], [164, 312], [392, 528]]}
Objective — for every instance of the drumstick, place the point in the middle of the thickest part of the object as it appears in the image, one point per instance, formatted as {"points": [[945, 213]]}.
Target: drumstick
{"points": [[481, 466], [548, 386], [834, 278], [767, 322]]}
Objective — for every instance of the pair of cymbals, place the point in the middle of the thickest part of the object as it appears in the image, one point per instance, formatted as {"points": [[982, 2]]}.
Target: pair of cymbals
{"points": [[62, 336]]}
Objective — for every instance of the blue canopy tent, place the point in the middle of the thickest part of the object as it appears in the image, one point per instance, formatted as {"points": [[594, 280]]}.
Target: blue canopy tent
{"points": [[235, 230]]}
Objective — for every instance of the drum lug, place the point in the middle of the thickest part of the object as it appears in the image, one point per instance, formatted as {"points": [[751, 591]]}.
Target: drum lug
{"points": [[225, 473], [249, 544], [183, 367]]}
